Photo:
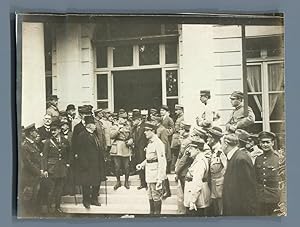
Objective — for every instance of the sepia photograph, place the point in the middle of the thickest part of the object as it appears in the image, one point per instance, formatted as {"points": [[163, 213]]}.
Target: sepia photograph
{"points": [[150, 115]]}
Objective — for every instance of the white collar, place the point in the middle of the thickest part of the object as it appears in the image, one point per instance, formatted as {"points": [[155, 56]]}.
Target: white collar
{"points": [[232, 152], [217, 146]]}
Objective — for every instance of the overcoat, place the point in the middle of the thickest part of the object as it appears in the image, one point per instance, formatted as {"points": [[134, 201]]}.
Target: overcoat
{"points": [[140, 142], [90, 160], [239, 196]]}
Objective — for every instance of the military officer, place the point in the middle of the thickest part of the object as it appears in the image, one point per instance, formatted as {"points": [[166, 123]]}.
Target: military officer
{"points": [[218, 166], [207, 115], [238, 120], [196, 190], [52, 110], [55, 163], [175, 143], [267, 175], [121, 149], [155, 167], [31, 171]]}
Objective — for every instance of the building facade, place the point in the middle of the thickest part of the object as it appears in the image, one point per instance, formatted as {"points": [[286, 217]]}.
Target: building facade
{"points": [[137, 65]]}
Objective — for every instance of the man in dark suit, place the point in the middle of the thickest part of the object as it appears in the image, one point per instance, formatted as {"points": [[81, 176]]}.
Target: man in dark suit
{"points": [[239, 196], [90, 163], [140, 142], [83, 111], [168, 123]]}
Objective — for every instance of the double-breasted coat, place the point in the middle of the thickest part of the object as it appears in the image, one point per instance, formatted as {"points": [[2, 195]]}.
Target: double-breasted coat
{"points": [[239, 196], [56, 156], [267, 177], [90, 160], [120, 134]]}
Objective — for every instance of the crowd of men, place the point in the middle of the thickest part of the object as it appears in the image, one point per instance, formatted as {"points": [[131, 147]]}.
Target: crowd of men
{"points": [[219, 172]]}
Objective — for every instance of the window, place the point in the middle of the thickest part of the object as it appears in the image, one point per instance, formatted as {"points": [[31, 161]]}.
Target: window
{"points": [[149, 54], [266, 96], [102, 91], [172, 89], [122, 56], [101, 56], [48, 34], [171, 53]]}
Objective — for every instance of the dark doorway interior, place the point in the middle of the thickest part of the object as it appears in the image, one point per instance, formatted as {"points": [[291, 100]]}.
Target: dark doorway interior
{"points": [[137, 89]]}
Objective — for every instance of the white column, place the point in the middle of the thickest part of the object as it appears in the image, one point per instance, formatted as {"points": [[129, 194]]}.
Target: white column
{"points": [[33, 74]]}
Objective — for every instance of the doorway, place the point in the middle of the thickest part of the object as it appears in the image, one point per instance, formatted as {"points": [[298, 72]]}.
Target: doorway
{"points": [[141, 89]]}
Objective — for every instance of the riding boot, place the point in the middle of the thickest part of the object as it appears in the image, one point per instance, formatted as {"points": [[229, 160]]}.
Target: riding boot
{"points": [[118, 184], [151, 202], [167, 192], [157, 207], [126, 184]]}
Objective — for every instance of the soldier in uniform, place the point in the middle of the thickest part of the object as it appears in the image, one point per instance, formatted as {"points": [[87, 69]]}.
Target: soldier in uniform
{"points": [[175, 144], [196, 190], [55, 162], [207, 116], [155, 167], [163, 134], [121, 149], [238, 119], [31, 171], [140, 142], [52, 109], [267, 175], [218, 166]]}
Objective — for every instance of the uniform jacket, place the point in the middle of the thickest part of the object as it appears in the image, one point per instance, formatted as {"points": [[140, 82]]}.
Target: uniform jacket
{"points": [[238, 120], [56, 155], [168, 123], [53, 112], [239, 197], [207, 115], [140, 142], [267, 177], [90, 160], [162, 134], [120, 136], [107, 128], [155, 171], [218, 167], [30, 162], [176, 136], [101, 134], [196, 189]]}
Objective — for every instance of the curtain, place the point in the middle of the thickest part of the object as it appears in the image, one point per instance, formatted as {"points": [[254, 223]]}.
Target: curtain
{"points": [[275, 73], [254, 83]]}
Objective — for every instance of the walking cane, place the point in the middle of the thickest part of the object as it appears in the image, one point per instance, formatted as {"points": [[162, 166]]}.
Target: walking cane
{"points": [[105, 192]]}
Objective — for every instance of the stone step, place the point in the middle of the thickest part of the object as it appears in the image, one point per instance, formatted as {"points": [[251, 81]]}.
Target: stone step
{"points": [[133, 189], [116, 209], [120, 198], [134, 180]]}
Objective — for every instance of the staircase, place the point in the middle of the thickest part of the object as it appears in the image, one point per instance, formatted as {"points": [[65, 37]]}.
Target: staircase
{"points": [[122, 201]]}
